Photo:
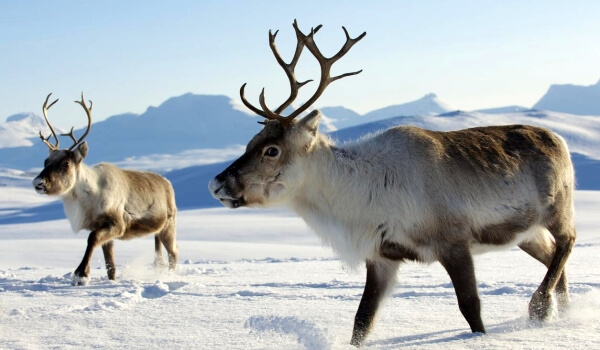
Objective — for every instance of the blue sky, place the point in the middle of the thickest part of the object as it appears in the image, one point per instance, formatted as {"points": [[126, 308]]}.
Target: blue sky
{"points": [[128, 55]]}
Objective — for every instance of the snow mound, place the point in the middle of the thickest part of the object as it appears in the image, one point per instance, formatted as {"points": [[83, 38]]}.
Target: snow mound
{"points": [[305, 332]]}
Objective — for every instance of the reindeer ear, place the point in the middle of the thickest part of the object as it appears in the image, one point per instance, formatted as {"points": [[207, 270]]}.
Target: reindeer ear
{"points": [[311, 121], [81, 151], [306, 130]]}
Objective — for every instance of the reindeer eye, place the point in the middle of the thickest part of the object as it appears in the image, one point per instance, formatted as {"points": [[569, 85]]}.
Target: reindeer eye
{"points": [[272, 152]]}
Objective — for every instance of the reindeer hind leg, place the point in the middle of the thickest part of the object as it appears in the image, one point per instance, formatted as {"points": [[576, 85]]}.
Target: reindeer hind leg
{"points": [[541, 247], [109, 259], [167, 238], [159, 262], [562, 228]]}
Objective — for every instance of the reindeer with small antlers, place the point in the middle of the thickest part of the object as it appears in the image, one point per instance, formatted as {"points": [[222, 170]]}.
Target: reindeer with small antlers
{"points": [[409, 194], [110, 202]]}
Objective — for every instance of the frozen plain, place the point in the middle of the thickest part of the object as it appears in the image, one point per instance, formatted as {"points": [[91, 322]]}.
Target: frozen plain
{"points": [[257, 279]]}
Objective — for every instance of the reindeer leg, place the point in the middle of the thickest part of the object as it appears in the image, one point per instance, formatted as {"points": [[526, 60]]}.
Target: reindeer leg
{"points": [[541, 247], [167, 237], [109, 260], [381, 276], [540, 306], [82, 273], [159, 262], [458, 262], [110, 229]]}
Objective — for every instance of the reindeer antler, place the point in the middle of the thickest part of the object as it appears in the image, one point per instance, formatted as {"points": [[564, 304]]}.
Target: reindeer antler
{"points": [[45, 109], [326, 79], [88, 112]]}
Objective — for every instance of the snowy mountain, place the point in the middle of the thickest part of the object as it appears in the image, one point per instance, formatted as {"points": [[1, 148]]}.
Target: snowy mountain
{"points": [[573, 99], [341, 117], [183, 130], [429, 104], [180, 123], [18, 130]]}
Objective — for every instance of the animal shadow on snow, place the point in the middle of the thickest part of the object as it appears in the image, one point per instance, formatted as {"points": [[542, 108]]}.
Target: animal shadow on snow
{"points": [[438, 339]]}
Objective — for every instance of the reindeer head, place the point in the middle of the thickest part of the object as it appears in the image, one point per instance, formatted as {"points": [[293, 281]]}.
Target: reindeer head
{"points": [[271, 165], [60, 168]]}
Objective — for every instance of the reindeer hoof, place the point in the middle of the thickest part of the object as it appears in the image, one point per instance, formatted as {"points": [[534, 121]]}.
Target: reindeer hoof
{"points": [[541, 307], [160, 265], [356, 343], [80, 280], [357, 340]]}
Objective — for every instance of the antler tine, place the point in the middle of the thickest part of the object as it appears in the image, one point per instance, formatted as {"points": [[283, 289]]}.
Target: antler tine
{"points": [[71, 135], [45, 109], [347, 45], [249, 105], [325, 64], [88, 112], [289, 68], [269, 114], [265, 112], [45, 140]]}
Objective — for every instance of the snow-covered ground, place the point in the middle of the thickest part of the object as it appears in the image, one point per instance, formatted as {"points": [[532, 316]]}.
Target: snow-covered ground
{"points": [[254, 279]]}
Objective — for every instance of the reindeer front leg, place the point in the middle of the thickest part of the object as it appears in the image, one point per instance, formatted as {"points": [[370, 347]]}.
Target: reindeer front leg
{"points": [[103, 236], [381, 276]]}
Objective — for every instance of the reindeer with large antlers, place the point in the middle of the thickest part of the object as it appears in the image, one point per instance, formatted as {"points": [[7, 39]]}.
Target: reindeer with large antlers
{"points": [[110, 202], [408, 194]]}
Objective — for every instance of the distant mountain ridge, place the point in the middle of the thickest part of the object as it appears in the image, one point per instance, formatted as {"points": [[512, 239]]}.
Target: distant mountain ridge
{"points": [[341, 116], [180, 123], [429, 104], [574, 99], [191, 121], [19, 128]]}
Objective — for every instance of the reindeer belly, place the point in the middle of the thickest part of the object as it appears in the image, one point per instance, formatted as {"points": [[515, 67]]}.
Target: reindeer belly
{"points": [[511, 241], [139, 223], [142, 226]]}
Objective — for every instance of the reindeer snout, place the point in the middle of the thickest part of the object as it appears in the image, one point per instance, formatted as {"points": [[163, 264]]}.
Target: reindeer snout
{"points": [[220, 191], [40, 185], [216, 188]]}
